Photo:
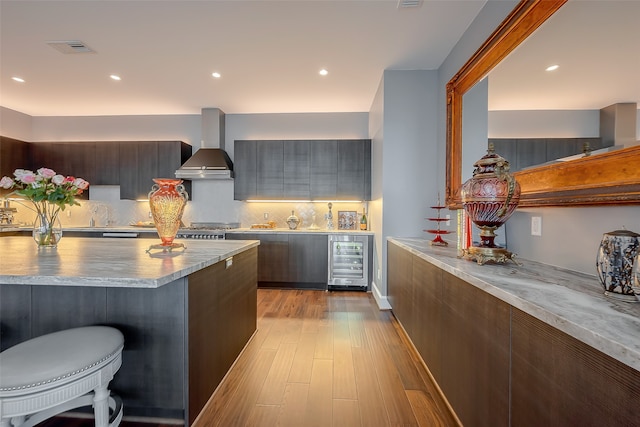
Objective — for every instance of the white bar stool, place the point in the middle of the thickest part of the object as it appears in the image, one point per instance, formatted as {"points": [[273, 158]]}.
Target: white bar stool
{"points": [[54, 373]]}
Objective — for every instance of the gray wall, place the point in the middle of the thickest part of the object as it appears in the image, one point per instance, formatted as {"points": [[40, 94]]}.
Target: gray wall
{"points": [[570, 236], [408, 160]]}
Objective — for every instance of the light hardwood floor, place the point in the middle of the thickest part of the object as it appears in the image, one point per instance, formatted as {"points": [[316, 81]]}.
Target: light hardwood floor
{"points": [[325, 359]]}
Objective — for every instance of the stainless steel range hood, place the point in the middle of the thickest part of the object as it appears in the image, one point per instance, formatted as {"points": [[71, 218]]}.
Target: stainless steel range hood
{"points": [[210, 161]]}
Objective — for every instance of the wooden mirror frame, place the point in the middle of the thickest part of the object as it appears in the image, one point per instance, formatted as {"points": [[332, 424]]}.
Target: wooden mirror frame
{"points": [[610, 178]]}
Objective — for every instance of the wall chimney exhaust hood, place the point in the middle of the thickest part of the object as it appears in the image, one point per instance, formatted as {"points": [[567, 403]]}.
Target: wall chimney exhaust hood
{"points": [[210, 161]]}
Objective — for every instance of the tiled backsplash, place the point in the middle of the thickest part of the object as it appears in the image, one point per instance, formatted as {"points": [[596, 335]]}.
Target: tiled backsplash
{"points": [[106, 208]]}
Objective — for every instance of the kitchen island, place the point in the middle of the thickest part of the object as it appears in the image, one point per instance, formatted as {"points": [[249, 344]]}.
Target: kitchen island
{"points": [[186, 315]]}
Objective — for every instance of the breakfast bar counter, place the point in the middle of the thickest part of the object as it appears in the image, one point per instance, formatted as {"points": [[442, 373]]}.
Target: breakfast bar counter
{"points": [[186, 314], [108, 262]]}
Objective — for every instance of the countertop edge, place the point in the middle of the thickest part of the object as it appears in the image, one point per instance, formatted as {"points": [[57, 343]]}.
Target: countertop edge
{"points": [[133, 282], [603, 329]]}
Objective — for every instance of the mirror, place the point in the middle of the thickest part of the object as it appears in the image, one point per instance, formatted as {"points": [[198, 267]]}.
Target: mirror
{"points": [[608, 178]]}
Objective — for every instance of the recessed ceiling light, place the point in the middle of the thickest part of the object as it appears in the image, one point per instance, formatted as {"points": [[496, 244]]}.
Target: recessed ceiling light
{"points": [[115, 77], [216, 74], [18, 79], [323, 72], [552, 67]]}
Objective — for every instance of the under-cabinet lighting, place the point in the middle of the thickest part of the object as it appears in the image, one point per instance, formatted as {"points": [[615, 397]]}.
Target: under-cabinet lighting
{"points": [[18, 79], [115, 77], [552, 67], [303, 201]]}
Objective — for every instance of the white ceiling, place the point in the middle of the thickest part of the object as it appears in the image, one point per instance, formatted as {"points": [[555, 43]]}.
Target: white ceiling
{"points": [[597, 46], [268, 52]]}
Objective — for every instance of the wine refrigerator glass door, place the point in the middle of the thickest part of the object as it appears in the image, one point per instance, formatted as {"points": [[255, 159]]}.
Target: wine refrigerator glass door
{"points": [[348, 262]]}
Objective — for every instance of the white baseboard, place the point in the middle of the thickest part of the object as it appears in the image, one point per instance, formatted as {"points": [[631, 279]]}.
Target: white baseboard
{"points": [[382, 301]]}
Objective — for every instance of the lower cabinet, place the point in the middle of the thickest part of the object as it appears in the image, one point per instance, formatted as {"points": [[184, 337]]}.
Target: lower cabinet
{"points": [[290, 260], [499, 366], [461, 333]]}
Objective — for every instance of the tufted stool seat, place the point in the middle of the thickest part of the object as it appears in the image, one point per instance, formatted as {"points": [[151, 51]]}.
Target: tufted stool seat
{"points": [[54, 373]]}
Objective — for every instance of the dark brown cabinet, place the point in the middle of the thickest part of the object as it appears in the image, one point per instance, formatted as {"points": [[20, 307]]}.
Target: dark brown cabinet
{"points": [[560, 381], [142, 161], [130, 164], [289, 260], [14, 154], [245, 184], [296, 179], [303, 170], [270, 169], [461, 333], [498, 365], [323, 170], [525, 152], [107, 164]]}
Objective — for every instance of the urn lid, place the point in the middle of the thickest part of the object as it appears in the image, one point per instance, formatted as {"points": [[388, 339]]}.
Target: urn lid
{"points": [[488, 162], [622, 233]]}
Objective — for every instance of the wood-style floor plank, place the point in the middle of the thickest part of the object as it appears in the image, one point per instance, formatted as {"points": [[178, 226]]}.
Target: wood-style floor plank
{"points": [[320, 359], [347, 366]]}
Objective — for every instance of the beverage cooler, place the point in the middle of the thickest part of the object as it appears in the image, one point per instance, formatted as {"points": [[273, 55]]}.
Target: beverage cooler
{"points": [[348, 262]]}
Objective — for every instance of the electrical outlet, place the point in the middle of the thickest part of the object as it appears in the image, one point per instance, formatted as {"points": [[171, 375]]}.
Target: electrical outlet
{"points": [[265, 216], [536, 226], [448, 218], [379, 274]]}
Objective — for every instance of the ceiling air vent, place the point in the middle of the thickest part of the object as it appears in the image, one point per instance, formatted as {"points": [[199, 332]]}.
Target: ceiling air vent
{"points": [[71, 46], [409, 3]]}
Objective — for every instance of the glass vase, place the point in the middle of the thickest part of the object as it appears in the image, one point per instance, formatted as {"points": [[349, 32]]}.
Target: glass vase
{"points": [[167, 201], [47, 232]]}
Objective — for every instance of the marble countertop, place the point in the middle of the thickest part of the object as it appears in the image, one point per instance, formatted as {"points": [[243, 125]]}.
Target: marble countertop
{"points": [[299, 231], [108, 262], [569, 301]]}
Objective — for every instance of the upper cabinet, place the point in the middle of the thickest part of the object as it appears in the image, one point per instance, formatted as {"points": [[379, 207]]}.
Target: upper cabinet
{"points": [[130, 164], [141, 162], [303, 170], [14, 154]]}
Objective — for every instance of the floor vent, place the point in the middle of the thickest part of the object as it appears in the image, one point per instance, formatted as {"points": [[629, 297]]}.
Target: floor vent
{"points": [[70, 46]]}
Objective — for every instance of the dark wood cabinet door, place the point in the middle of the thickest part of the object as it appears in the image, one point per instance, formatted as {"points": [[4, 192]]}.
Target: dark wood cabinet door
{"points": [[296, 169], [142, 161], [351, 170], [171, 155], [273, 255], [245, 168], [14, 154], [323, 169], [107, 163], [475, 353], [147, 168], [49, 155], [530, 152], [427, 313], [128, 170], [560, 381], [80, 160], [308, 258], [270, 170], [399, 285]]}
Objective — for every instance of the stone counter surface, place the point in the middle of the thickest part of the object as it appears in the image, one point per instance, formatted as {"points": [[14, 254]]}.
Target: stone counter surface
{"points": [[571, 302], [299, 231], [108, 262]]}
